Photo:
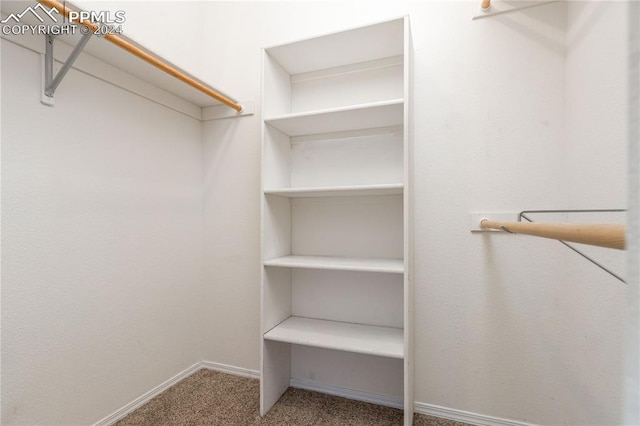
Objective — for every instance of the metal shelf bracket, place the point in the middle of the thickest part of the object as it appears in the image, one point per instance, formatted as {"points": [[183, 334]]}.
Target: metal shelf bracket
{"points": [[49, 82], [523, 215]]}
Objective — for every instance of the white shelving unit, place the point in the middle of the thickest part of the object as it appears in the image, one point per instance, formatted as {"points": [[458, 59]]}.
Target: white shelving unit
{"points": [[336, 215]]}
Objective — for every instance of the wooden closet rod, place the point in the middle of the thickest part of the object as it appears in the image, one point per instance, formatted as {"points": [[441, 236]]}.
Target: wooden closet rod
{"points": [[612, 236], [136, 51]]}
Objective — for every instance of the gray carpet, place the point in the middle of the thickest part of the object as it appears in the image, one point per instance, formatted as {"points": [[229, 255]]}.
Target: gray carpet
{"points": [[212, 398]]}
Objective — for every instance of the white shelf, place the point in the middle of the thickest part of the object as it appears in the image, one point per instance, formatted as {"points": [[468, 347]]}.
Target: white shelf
{"points": [[337, 191], [355, 117], [395, 266], [344, 48], [342, 336]]}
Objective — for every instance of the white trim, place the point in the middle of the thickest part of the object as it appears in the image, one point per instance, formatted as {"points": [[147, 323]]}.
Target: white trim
{"points": [[464, 416], [230, 369], [373, 398], [146, 397], [396, 402]]}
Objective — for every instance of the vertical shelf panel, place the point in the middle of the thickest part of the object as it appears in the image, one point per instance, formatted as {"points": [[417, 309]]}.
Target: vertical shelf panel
{"points": [[408, 226], [276, 373]]}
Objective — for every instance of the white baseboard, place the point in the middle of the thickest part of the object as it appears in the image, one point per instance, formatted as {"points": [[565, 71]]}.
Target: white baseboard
{"points": [[141, 400], [419, 407], [464, 416], [138, 402], [388, 401], [230, 369], [374, 398]]}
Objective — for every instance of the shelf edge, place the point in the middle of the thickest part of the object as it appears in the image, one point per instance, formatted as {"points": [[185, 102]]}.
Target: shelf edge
{"points": [[304, 114]]}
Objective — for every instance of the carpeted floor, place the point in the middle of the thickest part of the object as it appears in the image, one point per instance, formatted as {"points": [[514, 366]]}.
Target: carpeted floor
{"points": [[212, 398]]}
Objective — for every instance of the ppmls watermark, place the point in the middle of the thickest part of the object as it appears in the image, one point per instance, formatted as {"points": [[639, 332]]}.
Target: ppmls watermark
{"points": [[104, 22]]}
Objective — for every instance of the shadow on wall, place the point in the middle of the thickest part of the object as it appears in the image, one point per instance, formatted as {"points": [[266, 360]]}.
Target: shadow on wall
{"points": [[223, 132], [535, 24], [531, 326], [591, 13]]}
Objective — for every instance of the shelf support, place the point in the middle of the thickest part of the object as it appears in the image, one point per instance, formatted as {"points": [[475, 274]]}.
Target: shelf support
{"points": [[51, 83], [144, 55], [612, 236], [522, 215], [488, 8]]}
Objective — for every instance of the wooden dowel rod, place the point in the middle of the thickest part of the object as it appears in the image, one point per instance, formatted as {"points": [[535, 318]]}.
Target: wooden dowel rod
{"points": [[136, 51], [612, 236], [486, 4]]}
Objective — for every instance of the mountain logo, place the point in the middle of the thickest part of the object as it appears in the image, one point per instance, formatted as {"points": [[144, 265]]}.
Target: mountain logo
{"points": [[34, 11]]}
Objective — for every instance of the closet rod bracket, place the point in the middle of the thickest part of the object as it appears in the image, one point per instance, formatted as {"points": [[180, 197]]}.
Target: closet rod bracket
{"points": [[522, 215], [51, 83]]}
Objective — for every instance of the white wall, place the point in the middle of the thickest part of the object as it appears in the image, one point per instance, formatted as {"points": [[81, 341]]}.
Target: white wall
{"points": [[102, 249], [231, 156], [103, 295], [171, 29], [595, 173], [506, 326]]}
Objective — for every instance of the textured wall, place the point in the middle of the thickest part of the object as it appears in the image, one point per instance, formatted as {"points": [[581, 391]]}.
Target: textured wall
{"points": [[506, 326], [171, 29], [101, 246], [596, 177]]}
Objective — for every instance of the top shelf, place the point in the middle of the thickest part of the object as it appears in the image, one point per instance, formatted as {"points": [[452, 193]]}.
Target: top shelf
{"points": [[335, 73], [354, 46]]}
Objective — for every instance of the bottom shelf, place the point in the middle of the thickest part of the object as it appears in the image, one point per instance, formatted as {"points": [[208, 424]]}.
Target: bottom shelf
{"points": [[342, 336]]}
